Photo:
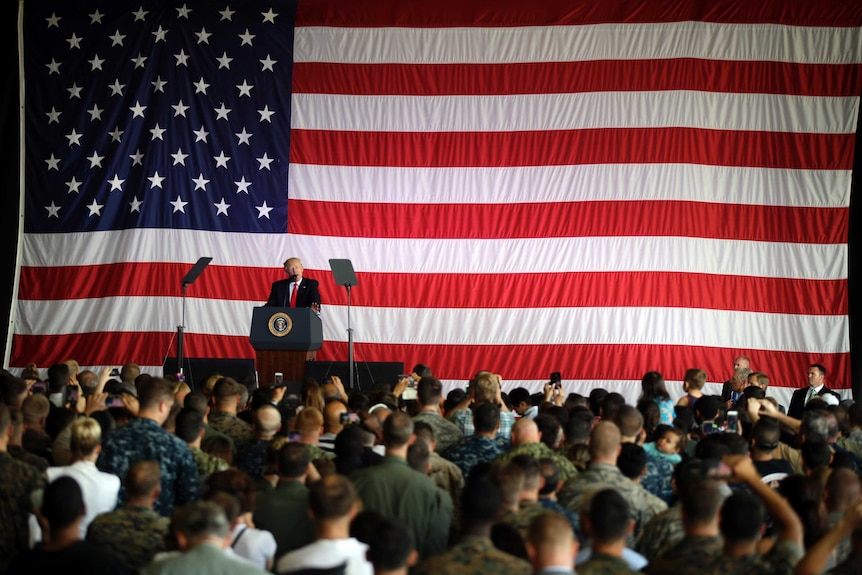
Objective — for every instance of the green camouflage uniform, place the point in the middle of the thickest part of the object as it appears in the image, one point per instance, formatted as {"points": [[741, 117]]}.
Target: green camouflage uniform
{"points": [[317, 453], [240, 432], [601, 475], [852, 442], [527, 511], [19, 480], [133, 534], [780, 560], [601, 564], [474, 556], [20, 454], [207, 463], [446, 433], [687, 556], [663, 530], [539, 450]]}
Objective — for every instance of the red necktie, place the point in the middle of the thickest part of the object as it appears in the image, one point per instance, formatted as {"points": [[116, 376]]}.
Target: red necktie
{"points": [[293, 294]]}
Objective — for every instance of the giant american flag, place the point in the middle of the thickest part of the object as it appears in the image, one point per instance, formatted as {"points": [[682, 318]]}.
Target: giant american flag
{"points": [[596, 188]]}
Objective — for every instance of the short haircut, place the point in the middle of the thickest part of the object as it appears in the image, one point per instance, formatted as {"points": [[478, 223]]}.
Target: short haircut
{"points": [[267, 420], [761, 378], [422, 430], [142, 478], [486, 417], [390, 544], [197, 401], [309, 421], [550, 529], [13, 389], [604, 440], [331, 497], [530, 466], [88, 381], [200, 519], [815, 426], [35, 407], [766, 434], [551, 474], [59, 376], [418, 455], [422, 370], [549, 428], [227, 501], [579, 425], [86, 435], [510, 479], [62, 503], [741, 517], [695, 377], [819, 367], [631, 460], [293, 460], [429, 390], [189, 424], [701, 500], [610, 515], [518, 395], [815, 454], [397, 429], [629, 420], [480, 501], [709, 407], [226, 387], [130, 372], [154, 391], [611, 405]]}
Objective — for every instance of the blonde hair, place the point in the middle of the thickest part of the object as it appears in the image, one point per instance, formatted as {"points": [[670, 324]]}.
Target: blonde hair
{"points": [[309, 420], [209, 384], [485, 387], [696, 378], [86, 436]]}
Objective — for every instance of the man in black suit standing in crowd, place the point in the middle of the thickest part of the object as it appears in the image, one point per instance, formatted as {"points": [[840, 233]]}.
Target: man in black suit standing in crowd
{"points": [[295, 291], [816, 388]]}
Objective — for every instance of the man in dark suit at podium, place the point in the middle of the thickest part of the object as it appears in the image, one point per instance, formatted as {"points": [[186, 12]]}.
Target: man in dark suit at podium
{"points": [[295, 291]]}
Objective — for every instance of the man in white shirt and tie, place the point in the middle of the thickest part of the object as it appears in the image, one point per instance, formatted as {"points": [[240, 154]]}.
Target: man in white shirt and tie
{"points": [[816, 388]]}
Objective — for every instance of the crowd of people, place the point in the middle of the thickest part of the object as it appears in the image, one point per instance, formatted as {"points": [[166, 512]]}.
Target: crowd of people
{"points": [[123, 472]]}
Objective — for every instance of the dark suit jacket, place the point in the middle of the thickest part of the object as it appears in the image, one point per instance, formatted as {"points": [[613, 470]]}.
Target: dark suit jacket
{"points": [[308, 293], [797, 401]]}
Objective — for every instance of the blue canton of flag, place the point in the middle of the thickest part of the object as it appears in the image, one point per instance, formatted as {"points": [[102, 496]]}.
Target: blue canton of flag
{"points": [[157, 115]]}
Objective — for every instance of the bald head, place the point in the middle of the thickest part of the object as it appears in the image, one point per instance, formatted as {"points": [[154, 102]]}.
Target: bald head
{"points": [[267, 421], [605, 441], [551, 541], [332, 415], [525, 430]]}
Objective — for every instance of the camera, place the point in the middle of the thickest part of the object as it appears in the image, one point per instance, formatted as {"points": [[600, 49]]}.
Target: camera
{"points": [[39, 387], [115, 400], [115, 372], [73, 393], [556, 379], [349, 418], [732, 421]]}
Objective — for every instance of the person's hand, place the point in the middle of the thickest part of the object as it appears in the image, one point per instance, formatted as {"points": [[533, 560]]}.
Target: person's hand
{"points": [[95, 402], [548, 388], [768, 408], [130, 402], [742, 467], [401, 385], [316, 307], [336, 381], [853, 515], [558, 396], [278, 394], [753, 407]]}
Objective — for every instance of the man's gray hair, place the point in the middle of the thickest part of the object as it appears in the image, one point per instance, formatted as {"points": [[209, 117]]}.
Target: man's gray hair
{"points": [[815, 426], [201, 519]]}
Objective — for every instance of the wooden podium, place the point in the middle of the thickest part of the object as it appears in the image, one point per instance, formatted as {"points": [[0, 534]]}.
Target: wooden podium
{"points": [[282, 338]]}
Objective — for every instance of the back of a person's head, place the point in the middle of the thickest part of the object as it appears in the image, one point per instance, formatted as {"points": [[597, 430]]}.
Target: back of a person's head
{"points": [[550, 530], [765, 434], [815, 426], [429, 391], [605, 441], [228, 502], [486, 418], [629, 420], [653, 386], [484, 387], [142, 478], [309, 421], [62, 503], [632, 460], [518, 395], [579, 425], [86, 435], [701, 501], [549, 428], [418, 455], [35, 407], [200, 519], [815, 454], [58, 377], [480, 501], [708, 408], [611, 404], [510, 479], [154, 391], [530, 466], [13, 390], [236, 482], [267, 420], [695, 378], [391, 545], [349, 442], [550, 475], [597, 395], [293, 460], [610, 516], [397, 429], [742, 516], [130, 372], [189, 424], [422, 370], [226, 388], [423, 431], [197, 401], [331, 497]]}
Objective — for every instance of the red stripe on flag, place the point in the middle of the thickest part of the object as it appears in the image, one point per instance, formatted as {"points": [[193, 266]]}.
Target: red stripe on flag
{"points": [[574, 147], [572, 219], [442, 13], [595, 289], [833, 80], [522, 362]]}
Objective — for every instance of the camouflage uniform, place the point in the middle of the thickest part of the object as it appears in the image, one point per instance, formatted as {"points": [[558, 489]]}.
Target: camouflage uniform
{"points": [[474, 449], [844, 547], [474, 556], [19, 480], [664, 530], [252, 459], [574, 518], [317, 453], [659, 469], [143, 439], [780, 560], [133, 534], [852, 442], [239, 431], [446, 433], [601, 564], [539, 450], [527, 511], [446, 475], [207, 463], [687, 556], [20, 454], [601, 475]]}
